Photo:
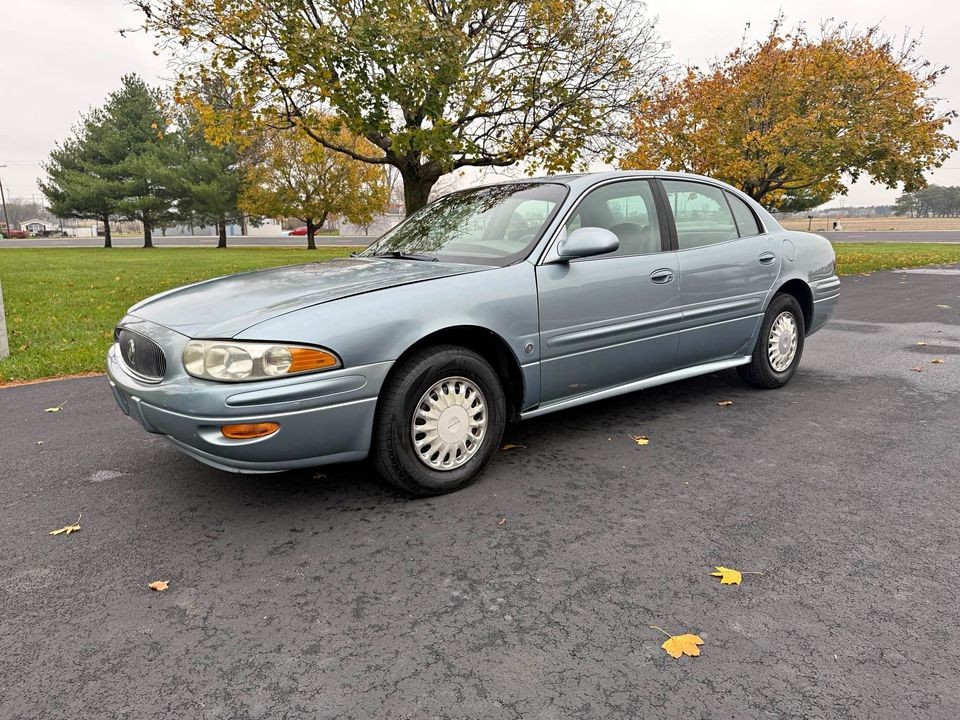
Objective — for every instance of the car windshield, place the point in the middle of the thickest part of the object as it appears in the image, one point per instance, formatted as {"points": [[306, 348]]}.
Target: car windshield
{"points": [[494, 225]]}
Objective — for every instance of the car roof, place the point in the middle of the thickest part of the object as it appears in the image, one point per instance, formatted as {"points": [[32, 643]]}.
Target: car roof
{"points": [[590, 178]]}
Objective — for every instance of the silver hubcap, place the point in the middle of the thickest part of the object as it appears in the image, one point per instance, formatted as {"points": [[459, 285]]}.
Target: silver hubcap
{"points": [[782, 343], [449, 423]]}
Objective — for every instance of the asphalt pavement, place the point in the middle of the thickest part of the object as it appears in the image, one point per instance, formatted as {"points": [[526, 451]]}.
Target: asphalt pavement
{"points": [[326, 594], [938, 236]]}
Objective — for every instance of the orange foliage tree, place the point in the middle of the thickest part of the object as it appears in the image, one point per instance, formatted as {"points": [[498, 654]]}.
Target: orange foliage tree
{"points": [[792, 119]]}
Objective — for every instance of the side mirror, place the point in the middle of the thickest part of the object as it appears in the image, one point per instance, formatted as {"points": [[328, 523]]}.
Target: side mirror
{"points": [[587, 241]]}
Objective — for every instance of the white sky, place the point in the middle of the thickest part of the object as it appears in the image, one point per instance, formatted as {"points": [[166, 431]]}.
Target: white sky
{"points": [[60, 57]]}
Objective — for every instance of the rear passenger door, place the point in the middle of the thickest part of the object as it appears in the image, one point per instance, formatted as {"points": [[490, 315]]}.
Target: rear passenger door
{"points": [[727, 266]]}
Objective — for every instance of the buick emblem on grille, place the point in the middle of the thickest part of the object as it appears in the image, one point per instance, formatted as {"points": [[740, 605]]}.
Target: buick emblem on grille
{"points": [[131, 351]]}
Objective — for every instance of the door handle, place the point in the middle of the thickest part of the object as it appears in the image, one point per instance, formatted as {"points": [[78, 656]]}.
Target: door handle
{"points": [[662, 276], [767, 258]]}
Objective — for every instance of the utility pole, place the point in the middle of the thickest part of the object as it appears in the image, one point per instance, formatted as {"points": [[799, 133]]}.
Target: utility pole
{"points": [[6, 221], [4, 346]]}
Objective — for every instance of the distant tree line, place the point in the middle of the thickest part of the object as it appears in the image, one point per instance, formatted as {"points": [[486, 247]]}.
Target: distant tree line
{"points": [[141, 156], [932, 201]]}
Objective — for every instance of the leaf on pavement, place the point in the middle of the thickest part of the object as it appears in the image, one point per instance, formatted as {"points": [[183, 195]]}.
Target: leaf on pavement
{"points": [[728, 576], [159, 585], [513, 446], [640, 439], [677, 645], [922, 343], [502, 521], [58, 408], [945, 307], [67, 529], [937, 361], [918, 368], [725, 403]]}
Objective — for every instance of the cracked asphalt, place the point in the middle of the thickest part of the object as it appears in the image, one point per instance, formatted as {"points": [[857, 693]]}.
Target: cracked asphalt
{"points": [[325, 594]]}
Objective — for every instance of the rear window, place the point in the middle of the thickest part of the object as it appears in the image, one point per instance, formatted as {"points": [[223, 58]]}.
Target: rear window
{"points": [[746, 221], [701, 214]]}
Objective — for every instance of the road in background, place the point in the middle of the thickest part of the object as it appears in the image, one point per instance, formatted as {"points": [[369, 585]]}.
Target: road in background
{"points": [[326, 594], [933, 236], [191, 241]]}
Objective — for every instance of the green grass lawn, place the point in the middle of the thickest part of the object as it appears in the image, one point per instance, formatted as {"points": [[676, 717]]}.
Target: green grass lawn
{"points": [[62, 303], [868, 257]]}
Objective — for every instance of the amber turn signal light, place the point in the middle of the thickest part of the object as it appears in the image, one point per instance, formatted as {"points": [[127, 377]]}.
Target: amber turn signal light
{"points": [[248, 431], [304, 359]]}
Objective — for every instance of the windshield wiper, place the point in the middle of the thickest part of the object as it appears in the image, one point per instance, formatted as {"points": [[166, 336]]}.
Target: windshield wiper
{"points": [[404, 256]]}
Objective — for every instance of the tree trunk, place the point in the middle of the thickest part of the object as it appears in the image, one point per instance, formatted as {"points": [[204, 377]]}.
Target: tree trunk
{"points": [[147, 234], [107, 237], [418, 181], [311, 232], [222, 231]]}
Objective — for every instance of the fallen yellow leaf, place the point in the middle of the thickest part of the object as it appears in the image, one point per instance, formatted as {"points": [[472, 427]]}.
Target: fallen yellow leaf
{"points": [[58, 408], [159, 585], [640, 439], [67, 529], [728, 576], [944, 307], [937, 361], [921, 343], [725, 403], [677, 645]]}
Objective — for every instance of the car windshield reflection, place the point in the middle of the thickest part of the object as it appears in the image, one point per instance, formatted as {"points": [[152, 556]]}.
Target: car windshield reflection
{"points": [[495, 225]]}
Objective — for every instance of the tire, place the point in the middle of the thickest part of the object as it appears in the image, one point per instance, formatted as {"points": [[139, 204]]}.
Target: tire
{"points": [[404, 401], [762, 372]]}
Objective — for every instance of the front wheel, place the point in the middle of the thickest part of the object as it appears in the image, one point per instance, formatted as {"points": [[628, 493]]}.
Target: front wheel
{"points": [[776, 355], [439, 422]]}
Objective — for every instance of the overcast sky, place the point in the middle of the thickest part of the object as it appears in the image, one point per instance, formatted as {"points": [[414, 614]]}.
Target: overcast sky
{"points": [[60, 57]]}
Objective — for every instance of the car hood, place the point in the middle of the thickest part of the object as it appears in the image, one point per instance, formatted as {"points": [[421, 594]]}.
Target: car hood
{"points": [[225, 306]]}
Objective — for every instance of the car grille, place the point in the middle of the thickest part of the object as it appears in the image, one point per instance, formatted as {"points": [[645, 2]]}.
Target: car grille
{"points": [[141, 355]]}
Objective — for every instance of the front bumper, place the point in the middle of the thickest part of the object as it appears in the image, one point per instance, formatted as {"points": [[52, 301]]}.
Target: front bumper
{"points": [[323, 418]]}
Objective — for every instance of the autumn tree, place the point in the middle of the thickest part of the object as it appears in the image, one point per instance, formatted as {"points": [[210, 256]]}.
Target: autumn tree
{"points": [[793, 119], [298, 177], [432, 86]]}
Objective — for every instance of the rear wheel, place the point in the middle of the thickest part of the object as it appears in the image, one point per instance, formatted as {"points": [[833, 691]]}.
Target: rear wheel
{"points": [[440, 421], [776, 355]]}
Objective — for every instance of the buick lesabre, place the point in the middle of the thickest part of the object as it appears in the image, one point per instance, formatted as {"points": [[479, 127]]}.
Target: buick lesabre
{"points": [[491, 304]]}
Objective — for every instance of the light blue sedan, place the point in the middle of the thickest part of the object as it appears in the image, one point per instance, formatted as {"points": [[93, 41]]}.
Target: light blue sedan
{"points": [[492, 304]]}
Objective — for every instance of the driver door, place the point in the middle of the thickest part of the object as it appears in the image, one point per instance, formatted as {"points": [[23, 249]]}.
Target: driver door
{"points": [[610, 319]]}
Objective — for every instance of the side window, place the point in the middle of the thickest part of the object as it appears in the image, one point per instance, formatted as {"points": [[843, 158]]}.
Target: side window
{"points": [[746, 221], [627, 209], [701, 214]]}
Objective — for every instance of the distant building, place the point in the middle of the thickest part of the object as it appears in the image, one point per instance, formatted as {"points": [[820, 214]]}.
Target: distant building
{"points": [[37, 227]]}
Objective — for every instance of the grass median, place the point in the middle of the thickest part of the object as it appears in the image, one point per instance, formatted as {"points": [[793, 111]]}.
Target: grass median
{"points": [[62, 303]]}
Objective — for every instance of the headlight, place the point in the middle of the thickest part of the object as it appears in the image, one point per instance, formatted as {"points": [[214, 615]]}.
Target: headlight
{"points": [[236, 362]]}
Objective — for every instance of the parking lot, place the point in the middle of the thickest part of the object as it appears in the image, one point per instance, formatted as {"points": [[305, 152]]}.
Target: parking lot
{"points": [[326, 594]]}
